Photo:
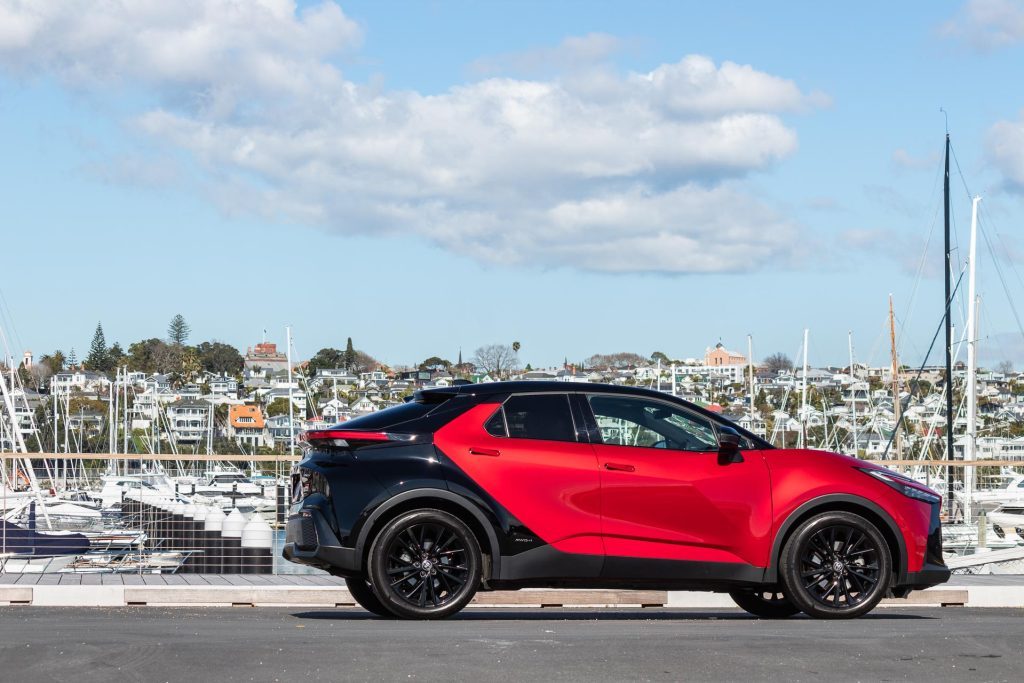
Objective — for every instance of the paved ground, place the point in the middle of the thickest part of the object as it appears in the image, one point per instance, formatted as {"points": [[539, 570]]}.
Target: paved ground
{"points": [[262, 644]]}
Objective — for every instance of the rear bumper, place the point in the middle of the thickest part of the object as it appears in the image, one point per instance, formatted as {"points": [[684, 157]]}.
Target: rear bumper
{"points": [[309, 540]]}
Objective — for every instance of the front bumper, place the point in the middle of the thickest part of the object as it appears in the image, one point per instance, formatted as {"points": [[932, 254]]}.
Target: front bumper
{"points": [[309, 540], [930, 575]]}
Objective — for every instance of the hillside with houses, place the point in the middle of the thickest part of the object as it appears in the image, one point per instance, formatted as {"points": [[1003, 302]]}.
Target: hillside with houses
{"points": [[165, 396]]}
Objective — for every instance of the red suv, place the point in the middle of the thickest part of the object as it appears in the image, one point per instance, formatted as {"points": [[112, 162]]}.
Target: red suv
{"points": [[547, 484]]}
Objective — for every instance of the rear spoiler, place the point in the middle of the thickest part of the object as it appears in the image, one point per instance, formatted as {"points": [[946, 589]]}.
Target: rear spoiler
{"points": [[434, 396]]}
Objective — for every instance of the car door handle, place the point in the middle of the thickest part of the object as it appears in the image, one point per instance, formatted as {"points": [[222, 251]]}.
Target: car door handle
{"points": [[619, 467], [492, 452]]}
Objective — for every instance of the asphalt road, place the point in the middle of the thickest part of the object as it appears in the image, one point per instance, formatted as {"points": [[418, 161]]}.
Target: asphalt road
{"points": [[262, 644]]}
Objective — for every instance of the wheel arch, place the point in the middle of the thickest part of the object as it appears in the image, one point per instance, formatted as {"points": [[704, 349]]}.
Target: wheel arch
{"points": [[438, 499], [841, 502]]}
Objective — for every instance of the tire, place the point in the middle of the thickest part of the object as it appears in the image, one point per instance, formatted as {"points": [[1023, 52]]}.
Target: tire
{"points": [[425, 564], [767, 604], [836, 565], [367, 599]]}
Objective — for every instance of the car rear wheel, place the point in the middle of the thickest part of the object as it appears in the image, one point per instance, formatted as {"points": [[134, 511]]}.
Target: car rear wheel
{"points": [[367, 599], [425, 564], [765, 603], [836, 565]]}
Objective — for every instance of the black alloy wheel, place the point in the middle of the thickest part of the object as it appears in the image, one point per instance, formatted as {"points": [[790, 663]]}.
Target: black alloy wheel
{"points": [[425, 564], [367, 599], [836, 565], [767, 603]]}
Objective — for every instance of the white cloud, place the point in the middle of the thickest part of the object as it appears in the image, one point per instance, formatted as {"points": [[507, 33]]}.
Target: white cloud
{"points": [[574, 52], [1004, 147], [905, 159], [988, 24], [596, 170]]}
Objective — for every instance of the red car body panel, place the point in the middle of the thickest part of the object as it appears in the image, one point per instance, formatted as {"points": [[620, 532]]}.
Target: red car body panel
{"points": [[659, 503], [684, 505], [800, 476], [552, 487]]}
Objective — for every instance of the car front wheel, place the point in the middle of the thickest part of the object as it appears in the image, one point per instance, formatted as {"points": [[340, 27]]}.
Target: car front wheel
{"points": [[765, 603], [425, 564], [836, 565]]}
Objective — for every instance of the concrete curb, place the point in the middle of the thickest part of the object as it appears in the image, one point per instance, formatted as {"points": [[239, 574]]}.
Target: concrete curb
{"points": [[328, 596]]}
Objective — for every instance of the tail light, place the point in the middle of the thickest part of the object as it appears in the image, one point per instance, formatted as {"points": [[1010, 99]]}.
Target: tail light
{"points": [[350, 438]]}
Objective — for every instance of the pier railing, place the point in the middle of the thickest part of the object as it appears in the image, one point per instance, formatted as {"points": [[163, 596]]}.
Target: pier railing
{"points": [[153, 513], [170, 513]]}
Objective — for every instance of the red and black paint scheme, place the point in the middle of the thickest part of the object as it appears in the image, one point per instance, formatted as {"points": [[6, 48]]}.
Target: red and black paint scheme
{"points": [[549, 484]]}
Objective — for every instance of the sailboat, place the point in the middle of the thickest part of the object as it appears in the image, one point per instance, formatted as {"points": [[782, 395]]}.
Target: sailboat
{"points": [[23, 549]]}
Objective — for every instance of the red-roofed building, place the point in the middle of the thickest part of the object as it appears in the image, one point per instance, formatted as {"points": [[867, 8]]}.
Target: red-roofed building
{"points": [[248, 427]]}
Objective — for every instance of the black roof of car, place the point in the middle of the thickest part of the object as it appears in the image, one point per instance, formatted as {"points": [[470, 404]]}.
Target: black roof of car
{"points": [[542, 386]]}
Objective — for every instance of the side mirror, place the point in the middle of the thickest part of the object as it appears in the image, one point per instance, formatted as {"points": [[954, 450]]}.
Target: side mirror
{"points": [[729, 447]]}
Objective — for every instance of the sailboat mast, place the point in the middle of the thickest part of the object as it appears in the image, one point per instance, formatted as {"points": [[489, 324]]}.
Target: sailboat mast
{"points": [[803, 396], [750, 376], [897, 405], [949, 338], [853, 393], [970, 443]]}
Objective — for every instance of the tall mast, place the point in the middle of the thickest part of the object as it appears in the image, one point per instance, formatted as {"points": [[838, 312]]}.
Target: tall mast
{"points": [[970, 442], [949, 338], [897, 405], [750, 376], [291, 405], [853, 393], [803, 397]]}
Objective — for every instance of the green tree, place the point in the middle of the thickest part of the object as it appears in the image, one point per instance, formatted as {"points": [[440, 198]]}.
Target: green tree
{"points": [[327, 359], [349, 358], [220, 358], [178, 330], [278, 407], [435, 363], [97, 358], [144, 355], [115, 356], [190, 365], [54, 361], [659, 356], [72, 359]]}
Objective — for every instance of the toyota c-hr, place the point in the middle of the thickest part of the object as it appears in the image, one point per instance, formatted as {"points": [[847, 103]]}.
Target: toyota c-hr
{"points": [[547, 484]]}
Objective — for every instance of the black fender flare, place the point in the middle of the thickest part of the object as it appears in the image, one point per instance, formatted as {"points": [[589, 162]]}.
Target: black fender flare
{"points": [[363, 540], [771, 573]]}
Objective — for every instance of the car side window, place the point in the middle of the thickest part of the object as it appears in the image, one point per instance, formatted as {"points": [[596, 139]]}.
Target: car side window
{"points": [[629, 421], [535, 416], [495, 426]]}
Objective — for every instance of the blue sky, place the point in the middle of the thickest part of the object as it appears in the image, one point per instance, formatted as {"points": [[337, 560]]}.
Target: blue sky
{"points": [[581, 177]]}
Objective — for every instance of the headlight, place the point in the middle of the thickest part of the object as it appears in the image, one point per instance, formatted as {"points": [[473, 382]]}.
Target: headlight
{"points": [[905, 485]]}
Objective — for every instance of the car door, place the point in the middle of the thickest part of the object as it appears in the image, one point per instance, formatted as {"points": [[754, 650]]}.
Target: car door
{"points": [[665, 492], [528, 455]]}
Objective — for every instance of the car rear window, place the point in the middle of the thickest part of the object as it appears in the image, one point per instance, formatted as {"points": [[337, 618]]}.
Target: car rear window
{"points": [[540, 416], [389, 417]]}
